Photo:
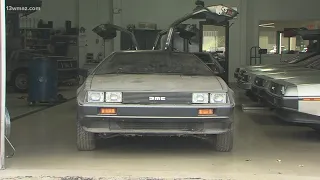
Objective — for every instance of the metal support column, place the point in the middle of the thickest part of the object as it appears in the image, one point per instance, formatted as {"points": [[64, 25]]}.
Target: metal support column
{"points": [[3, 82]]}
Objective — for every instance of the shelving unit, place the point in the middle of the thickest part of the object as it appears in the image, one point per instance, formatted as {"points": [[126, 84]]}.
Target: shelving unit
{"points": [[35, 38]]}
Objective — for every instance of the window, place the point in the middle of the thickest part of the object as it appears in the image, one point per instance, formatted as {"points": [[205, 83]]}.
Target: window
{"points": [[213, 38], [273, 36]]}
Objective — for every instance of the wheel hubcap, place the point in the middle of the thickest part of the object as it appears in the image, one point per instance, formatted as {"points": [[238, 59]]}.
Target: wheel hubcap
{"points": [[21, 81]]}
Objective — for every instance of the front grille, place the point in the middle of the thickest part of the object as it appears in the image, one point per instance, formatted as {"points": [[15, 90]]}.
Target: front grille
{"points": [[259, 81], [182, 126], [156, 98]]}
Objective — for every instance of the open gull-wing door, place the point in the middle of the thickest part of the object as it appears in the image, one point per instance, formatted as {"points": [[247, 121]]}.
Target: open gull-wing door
{"points": [[109, 31], [185, 31], [216, 13]]}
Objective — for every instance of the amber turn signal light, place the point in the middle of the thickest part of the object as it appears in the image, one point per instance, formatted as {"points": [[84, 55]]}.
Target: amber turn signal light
{"points": [[108, 111], [311, 99], [205, 112]]}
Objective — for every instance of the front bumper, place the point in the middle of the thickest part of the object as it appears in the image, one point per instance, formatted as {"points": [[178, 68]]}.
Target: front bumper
{"points": [[144, 119], [287, 110], [244, 85]]}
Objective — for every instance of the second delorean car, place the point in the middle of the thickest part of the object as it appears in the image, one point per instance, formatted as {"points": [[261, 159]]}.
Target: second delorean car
{"points": [[296, 100], [157, 92], [260, 82], [247, 78]]}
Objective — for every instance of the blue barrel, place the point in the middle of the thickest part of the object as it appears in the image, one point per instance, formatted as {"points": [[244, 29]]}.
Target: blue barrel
{"points": [[43, 80]]}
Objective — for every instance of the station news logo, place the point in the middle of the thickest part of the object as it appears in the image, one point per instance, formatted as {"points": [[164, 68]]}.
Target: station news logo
{"points": [[21, 8]]}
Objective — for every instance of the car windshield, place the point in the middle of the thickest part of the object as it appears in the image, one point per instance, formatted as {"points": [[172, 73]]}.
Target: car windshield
{"points": [[158, 62]]}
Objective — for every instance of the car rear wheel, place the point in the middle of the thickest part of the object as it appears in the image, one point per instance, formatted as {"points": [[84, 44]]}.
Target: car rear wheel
{"points": [[223, 142], [85, 140], [20, 81]]}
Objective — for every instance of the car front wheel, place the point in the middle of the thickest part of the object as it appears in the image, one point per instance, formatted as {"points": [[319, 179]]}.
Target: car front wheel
{"points": [[85, 140], [223, 142], [20, 81]]}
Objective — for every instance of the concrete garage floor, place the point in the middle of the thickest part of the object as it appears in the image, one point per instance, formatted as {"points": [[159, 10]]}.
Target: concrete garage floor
{"points": [[264, 149]]}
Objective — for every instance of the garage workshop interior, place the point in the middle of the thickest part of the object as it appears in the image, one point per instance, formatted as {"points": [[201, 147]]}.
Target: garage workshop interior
{"points": [[171, 89]]}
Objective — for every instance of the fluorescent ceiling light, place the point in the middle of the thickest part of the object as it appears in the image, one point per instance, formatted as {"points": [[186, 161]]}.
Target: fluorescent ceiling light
{"points": [[267, 24]]}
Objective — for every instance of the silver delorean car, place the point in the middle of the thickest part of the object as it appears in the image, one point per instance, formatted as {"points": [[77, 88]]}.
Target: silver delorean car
{"points": [[157, 92], [292, 62], [260, 82], [247, 77], [296, 100]]}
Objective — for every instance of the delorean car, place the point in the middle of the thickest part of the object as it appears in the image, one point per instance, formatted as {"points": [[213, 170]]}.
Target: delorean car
{"points": [[157, 92], [260, 82], [246, 78], [296, 100], [292, 62], [246, 75]]}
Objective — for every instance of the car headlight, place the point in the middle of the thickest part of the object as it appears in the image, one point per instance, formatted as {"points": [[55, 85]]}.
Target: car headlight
{"points": [[95, 96], [114, 97], [200, 98], [218, 98]]}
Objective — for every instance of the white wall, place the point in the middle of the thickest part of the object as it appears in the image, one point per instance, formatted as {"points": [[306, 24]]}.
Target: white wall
{"points": [[57, 11]]}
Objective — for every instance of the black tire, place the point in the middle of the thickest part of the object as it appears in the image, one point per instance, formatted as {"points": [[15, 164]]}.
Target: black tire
{"points": [[14, 80], [85, 140], [224, 142]]}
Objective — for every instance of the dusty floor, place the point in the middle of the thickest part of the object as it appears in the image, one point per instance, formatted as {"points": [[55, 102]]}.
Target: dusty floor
{"points": [[264, 149]]}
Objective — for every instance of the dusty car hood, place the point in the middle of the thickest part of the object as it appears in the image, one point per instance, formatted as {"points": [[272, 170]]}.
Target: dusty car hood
{"points": [[269, 66], [303, 80], [166, 83], [274, 69], [293, 74], [279, 71]]}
